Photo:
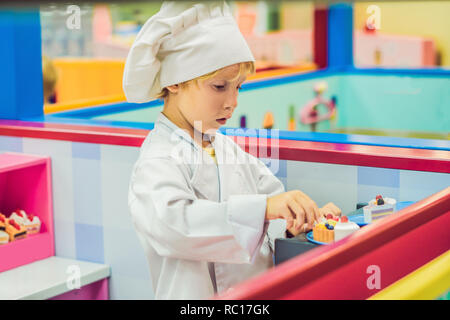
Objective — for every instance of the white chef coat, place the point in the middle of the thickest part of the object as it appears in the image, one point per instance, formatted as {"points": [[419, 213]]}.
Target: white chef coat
{"points": [[201, 224]]}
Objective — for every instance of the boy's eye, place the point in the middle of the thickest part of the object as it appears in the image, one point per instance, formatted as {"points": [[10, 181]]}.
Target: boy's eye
{"points": [[223, 87]]}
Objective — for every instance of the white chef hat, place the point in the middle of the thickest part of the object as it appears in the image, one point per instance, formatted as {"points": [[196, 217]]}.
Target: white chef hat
{"points": [[183, 41]]}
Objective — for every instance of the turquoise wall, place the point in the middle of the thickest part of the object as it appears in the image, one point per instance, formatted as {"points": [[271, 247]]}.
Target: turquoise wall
{"points": [[277, 99], [394, 102], [139, 115], [381, 102]]}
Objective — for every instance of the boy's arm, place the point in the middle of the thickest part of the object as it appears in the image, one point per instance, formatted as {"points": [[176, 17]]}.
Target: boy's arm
{"points": [[269, 184], [167, 214]]}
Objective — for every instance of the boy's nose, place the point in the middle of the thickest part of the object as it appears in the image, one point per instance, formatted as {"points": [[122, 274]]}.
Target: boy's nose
{"points": [[231, 102]]}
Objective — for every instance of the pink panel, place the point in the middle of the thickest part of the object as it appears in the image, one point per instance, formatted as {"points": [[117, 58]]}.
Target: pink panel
{"points": [[25, 183], [10, 161], [393, 50], [24, 251], [350, 154], [95, 291], [395, 260], [397, 244]]}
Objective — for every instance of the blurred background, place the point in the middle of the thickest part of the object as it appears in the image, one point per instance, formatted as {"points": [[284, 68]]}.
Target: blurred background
{"points": [[409, 34], [376, 68], [361, 89]]}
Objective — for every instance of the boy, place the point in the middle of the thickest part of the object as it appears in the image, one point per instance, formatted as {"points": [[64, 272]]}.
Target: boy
{"points": [[201, 206]]}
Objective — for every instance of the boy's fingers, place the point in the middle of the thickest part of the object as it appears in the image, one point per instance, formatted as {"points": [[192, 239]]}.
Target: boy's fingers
{"points": [[316, 211], [308, 209], [306, 227], [333, 209], [311, 208], [286, 215], [298, 211]]}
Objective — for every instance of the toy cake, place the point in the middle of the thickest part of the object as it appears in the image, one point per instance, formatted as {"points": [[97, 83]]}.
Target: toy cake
{"points": [[4, 237], [2, 222], [344, 228], [333, 228], [15, 230], [32, 224], [378, 208], [19, 216]]}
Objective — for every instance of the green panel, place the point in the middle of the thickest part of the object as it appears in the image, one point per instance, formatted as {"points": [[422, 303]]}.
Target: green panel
{"points": [[394, 103], [400, 106], [254, 104], [140, 115], [277, 99]]}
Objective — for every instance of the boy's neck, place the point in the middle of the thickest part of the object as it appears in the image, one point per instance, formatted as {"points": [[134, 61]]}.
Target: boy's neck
{"points": [[179, 120]]}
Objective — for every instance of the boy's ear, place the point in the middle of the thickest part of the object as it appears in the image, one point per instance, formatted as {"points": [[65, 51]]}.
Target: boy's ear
{"points": [[173, 88]]}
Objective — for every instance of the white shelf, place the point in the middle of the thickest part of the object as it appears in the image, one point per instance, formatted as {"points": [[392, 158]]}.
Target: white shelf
{"points": [[47, 278]]}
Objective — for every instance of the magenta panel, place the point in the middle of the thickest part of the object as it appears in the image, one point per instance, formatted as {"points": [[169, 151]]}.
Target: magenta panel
{"points": [[95, 291], [25, 183]]}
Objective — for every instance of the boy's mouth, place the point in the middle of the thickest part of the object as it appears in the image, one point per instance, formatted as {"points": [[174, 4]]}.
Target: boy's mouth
{"points": [[222, 120]]}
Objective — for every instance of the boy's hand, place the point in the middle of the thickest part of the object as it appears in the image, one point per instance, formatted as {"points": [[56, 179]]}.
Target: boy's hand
{"points": [[326, 209], [295, 207], [330, 207], [303, 229]]}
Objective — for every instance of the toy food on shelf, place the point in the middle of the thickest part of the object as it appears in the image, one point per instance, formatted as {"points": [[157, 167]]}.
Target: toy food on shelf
{"points": [[19, 216], [15, 230], [4, 237], [18, 226], [333, 228], [32, 224], [2, 222], [378, 208]]}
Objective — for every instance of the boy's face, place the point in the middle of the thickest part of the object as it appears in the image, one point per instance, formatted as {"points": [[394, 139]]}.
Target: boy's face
{"points": [[212, 102]]}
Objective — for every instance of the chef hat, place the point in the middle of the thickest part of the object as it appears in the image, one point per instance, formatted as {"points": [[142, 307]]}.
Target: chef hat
{"points": [[183, 41]]}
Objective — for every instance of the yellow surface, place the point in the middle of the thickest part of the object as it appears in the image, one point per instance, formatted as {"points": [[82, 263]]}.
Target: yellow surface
{"points": [[281, 72], [88, 78], [89, 82], [297, 15], [82, 103], [426, 283], [425, 18]]}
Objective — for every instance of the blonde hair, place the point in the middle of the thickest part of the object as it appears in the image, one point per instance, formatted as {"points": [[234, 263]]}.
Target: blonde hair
{"points": [[49, 77], [245, 68]]}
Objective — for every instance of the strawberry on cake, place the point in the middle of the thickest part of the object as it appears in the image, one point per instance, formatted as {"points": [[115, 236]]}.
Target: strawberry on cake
{"points": [[333, 228]]}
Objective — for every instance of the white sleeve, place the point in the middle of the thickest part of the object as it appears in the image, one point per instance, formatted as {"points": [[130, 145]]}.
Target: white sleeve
{"points": [[267, 182], [270, 185], [167, 214]]}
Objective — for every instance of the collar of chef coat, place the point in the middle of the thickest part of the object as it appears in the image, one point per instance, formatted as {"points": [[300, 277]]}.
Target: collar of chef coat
{"points": [[162, 119]]}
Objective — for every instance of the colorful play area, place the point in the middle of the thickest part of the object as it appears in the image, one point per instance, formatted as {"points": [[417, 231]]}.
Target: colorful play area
{"points": [[353, 106]]}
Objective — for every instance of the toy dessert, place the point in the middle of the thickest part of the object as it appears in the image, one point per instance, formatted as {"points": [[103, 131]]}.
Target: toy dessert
{"points": [[33, 224], [19, 216], [15, 230], [344, 228], [2, 222], [4, 237], [333, 228], [378, 208]]}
